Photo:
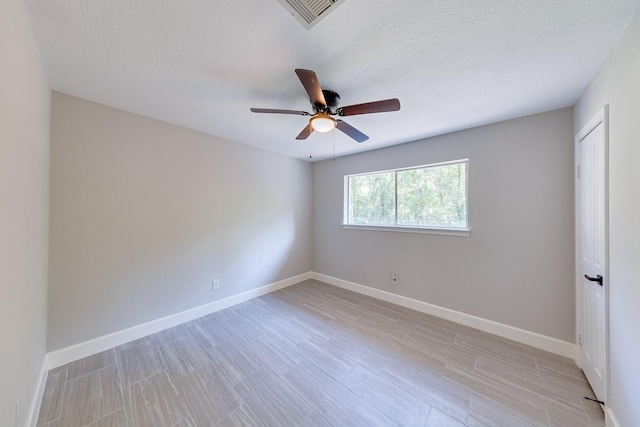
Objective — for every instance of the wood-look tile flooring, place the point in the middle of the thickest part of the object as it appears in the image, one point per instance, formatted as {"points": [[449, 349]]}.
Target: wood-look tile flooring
{"points": [[316, 355]]}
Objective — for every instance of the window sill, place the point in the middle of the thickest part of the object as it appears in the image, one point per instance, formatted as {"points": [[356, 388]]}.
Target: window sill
{"points": [[419, 230]]}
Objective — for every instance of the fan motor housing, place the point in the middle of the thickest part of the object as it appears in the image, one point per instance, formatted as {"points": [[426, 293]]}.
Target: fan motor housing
{"points": [[332, 99]]}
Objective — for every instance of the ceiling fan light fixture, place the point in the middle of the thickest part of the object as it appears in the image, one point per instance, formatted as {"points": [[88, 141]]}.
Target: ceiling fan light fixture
{"points": [[322, 122]]}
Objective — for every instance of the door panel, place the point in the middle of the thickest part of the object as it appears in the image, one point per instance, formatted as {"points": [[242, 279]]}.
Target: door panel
{"points": [[592, 256]]}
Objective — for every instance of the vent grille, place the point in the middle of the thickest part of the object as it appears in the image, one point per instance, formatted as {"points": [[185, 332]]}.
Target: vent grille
{"points": [[309, 12]]}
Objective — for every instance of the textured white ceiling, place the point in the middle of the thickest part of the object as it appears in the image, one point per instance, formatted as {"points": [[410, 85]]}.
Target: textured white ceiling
{"points": [[453, 64]]}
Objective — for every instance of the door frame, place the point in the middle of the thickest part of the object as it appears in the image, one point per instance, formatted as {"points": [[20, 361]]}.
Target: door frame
{"points": [[602, 116]]}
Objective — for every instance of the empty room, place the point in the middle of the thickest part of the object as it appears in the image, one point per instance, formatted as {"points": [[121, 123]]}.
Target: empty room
{"points": [[319, 213]]}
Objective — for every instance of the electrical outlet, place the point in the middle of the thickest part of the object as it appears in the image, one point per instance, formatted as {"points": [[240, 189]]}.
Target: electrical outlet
{"points": [[215, 284], [394, 278]]}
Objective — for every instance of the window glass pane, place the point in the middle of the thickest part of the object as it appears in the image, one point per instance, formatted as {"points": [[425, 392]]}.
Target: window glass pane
{"points": [[372, 199], [433, 196]]}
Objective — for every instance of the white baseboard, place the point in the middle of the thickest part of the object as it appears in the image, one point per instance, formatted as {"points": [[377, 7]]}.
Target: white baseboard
{"points": [[66, 355], [34, 405], [543, 342], [78, 351], [610, 419]]}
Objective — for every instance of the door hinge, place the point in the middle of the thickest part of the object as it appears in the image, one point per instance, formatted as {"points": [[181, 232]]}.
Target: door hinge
{"points": [[578, 171]]}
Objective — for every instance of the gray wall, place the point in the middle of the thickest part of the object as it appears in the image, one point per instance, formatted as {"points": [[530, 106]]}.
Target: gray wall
{"points": [[144, 215], [24, 211], [517, 265], [618, 84]]}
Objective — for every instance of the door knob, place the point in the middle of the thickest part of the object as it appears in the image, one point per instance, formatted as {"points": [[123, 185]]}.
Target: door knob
{"points": [[598, 279]]}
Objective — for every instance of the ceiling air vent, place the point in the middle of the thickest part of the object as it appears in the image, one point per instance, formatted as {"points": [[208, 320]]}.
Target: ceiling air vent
{"points": [[310, 12]]}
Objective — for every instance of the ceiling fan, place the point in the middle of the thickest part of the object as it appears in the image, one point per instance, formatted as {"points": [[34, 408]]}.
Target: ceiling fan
{"points": [[325, 105]]}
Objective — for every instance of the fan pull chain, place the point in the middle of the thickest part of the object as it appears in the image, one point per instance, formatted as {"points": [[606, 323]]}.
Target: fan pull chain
{"points": [[334, 146], [310, 149]]}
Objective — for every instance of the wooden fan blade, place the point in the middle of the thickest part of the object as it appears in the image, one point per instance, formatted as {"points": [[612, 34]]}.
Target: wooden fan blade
{"points": [[370, 107], [311, 84], [276, 111], [351, 131], [305, 132]]}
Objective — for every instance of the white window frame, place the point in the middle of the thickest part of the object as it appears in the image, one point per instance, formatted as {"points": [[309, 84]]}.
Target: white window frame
{"points": [[450, 231]]}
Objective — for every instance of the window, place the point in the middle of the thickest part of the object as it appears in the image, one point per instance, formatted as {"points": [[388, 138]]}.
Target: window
{"points": [[423, 197]]}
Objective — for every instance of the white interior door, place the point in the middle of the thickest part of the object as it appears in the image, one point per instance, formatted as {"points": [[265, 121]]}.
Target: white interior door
{"points": [[592, 252]]}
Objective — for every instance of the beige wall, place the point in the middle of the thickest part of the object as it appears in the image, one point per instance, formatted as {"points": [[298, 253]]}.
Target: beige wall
{"points": [[24, 211], [516, 267], [618, 84], [144, 215]]}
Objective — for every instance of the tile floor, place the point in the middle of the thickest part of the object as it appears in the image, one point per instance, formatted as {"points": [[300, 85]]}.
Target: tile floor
{"points": [[316, 355]]}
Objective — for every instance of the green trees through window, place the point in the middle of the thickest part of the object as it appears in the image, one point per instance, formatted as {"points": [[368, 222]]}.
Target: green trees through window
{"points": [[433, 196]]}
